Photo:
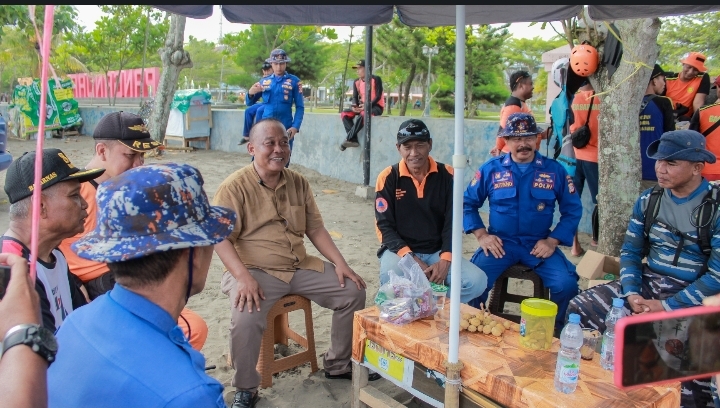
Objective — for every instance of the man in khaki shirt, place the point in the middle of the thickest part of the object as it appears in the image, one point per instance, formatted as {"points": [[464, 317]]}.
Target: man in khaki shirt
{"points": [[266, 258]]}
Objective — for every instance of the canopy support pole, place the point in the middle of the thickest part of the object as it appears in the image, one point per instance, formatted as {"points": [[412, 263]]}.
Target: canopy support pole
{"points": [[453, 383], [367, 106]]}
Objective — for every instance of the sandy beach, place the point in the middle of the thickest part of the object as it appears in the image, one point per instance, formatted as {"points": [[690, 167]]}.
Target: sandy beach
{"points": [[350, 220]]}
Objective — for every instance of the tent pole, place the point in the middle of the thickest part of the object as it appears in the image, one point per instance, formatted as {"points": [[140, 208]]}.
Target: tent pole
{"points": [[454, 365], [367, 106]]}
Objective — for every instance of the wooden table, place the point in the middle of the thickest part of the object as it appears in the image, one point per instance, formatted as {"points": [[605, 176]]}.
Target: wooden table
{"points": [[499, 368]]}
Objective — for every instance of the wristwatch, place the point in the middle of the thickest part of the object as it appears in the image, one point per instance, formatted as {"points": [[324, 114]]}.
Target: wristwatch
{"points": [[39, 339]]}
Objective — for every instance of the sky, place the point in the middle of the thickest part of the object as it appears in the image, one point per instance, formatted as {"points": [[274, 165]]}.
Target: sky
{"points": [[209, 29]]}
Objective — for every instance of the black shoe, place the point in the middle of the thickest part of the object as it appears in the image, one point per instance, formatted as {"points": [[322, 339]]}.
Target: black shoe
{"points": [[245, 399], [243, 141], [348, 376]]}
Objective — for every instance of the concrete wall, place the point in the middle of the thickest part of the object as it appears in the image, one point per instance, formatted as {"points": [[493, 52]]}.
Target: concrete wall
{"points": [[317, 144]]}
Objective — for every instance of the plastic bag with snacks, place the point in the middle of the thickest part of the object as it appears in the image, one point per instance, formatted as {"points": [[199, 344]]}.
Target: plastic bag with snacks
{"points": [[406, 298]]}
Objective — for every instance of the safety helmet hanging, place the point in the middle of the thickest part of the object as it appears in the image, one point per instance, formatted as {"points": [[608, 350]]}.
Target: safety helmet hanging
{"points": [[584, 59]]}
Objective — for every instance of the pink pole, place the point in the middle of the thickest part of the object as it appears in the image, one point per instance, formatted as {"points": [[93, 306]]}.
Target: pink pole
{"points": [[45, 61]]}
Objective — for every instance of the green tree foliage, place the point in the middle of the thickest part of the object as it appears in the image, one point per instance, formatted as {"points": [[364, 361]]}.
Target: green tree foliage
{"points": [[208, 62], [695, 32], [302, 43], [400, 46], [526, 53], [118, 39]]}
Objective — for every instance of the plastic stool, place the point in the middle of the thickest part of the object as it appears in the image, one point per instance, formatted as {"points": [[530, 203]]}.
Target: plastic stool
{"points": [[278, 331], [500, 294]]}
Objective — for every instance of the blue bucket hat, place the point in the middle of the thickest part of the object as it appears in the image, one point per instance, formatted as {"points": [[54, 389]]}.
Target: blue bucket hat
{"points": [[153, 208], [680, 145], [520, 124], [277, 55]]}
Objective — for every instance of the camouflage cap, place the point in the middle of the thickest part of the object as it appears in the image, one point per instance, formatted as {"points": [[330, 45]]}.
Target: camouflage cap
{"points": [[153, 208]]}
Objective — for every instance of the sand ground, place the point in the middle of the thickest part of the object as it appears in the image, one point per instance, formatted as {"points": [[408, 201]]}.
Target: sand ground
{"points": [[350, 220]]}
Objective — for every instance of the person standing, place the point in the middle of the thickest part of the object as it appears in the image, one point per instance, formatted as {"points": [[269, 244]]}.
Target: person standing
{"points": [[689, 87], [705, 120], [280, 91], [353, 118], [254, 110], [521, 86], [586, 109], [656, 118], [522, 188]]}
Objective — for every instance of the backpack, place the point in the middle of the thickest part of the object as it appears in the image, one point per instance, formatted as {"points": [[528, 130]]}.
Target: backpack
{"points": [[560, 119], [705, 214]]}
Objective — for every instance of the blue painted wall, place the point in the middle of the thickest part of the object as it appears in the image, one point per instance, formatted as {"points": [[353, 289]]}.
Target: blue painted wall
{"points": [[317, 144]]}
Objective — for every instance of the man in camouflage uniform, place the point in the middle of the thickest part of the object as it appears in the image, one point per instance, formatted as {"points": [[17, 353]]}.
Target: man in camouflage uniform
{"points": [[677, 274]]}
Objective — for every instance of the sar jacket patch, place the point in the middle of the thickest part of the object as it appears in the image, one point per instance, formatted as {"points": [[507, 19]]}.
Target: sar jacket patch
{"points": [[381, 205]]}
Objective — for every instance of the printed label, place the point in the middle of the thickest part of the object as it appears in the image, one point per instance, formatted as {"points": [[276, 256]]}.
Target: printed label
{"points": [[568, 370], [522, 327]]}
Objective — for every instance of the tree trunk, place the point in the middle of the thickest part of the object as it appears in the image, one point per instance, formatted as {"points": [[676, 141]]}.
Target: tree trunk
{"points": [[174, 59], [408, 85], [400, 95], [619, 127], [388, 103], [469, 94]]}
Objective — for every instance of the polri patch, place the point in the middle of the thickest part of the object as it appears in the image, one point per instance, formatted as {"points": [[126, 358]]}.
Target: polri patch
{"points": [[502, 179], [544, 180], [381, 205]]}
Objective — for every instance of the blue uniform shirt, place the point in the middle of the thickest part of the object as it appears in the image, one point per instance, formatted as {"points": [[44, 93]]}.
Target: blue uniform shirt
{"points": [[522, 204], [279, 93], [124, 351]]}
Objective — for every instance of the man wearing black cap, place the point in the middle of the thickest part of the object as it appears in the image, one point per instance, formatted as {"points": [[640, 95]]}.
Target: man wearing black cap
{"points": [[413, 213], [377, 101], [656, 118], [679, 242], [62, 214], [254, 110]]}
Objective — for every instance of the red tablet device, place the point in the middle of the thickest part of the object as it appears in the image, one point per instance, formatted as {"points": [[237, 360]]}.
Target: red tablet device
{"points": [[662, 347]]}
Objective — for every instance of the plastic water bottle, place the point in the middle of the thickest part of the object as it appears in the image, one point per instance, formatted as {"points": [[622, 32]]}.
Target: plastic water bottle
{"points": [[568, 362], [607, 353]]}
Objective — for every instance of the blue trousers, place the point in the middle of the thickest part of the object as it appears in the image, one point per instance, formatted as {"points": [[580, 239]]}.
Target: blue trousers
{"points": [[252, 112], [557, 273], [473, 281]]}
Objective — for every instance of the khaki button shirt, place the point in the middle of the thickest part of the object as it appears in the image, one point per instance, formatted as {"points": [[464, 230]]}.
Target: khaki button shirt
{"points": [[271, 224]]}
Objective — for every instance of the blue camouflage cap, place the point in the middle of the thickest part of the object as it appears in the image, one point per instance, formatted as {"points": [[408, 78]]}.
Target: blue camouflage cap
{"points": [[153, 208], [680, 145], [520, 124], [278, 56]]}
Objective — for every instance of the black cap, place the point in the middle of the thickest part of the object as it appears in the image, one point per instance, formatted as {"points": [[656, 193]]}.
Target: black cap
{"points": [[127, 128], [56, 167], [657, 71], [266, 66], [413, 129], [360, 63]]}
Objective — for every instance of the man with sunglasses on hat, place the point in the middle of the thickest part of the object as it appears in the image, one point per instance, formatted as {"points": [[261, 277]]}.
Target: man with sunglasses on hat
{"points": [[521, 88], [689, 87], [121, 141], [155, 230], [353, 118], [656, 118], [62, 214], [522, 188], [679, 272], [254, 110], [279, 92]]}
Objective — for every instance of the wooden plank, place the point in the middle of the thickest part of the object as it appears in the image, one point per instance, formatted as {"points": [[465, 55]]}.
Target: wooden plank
{"points": [[500, 368], [359, 381], [375, 398]]}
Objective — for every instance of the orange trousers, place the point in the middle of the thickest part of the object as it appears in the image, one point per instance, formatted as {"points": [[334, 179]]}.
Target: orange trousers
{"points": [[194, 327]]}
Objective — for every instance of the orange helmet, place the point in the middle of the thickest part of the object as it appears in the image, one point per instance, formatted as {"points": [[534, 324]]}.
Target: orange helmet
{"points": [[584, 60]]}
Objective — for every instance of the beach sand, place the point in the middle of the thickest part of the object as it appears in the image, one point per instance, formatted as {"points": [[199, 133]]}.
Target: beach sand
{"points": [[350, 220]]}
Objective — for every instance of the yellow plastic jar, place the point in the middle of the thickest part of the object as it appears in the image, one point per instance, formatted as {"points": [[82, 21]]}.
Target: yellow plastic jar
{"points": [[537, 323]]}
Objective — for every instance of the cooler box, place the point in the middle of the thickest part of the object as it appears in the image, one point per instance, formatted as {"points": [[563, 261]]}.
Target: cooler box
{"points": [[190, 117]]}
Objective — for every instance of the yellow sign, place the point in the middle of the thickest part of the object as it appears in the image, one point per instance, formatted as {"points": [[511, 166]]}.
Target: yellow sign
{"points": [[388, 363]]}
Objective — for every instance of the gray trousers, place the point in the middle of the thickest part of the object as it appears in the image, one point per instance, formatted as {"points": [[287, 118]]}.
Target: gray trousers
{"points": [[246, 329]]}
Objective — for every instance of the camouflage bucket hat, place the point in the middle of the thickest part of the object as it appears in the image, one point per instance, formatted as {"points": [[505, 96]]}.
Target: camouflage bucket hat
{"points": [[153, 208]]}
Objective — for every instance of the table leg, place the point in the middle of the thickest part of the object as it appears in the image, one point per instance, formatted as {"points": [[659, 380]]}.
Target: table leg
{"points": [[360, 380]]}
